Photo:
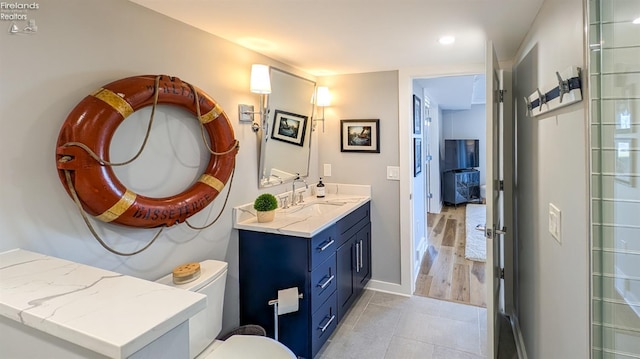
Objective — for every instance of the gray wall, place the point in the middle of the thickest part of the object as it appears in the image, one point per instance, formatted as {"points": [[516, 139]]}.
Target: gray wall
{"points": [[368, 96], [468, 124], [553, 293], [81, 45]]}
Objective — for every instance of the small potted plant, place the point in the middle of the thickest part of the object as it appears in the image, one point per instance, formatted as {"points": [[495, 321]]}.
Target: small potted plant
{"points": [[265, 205]]}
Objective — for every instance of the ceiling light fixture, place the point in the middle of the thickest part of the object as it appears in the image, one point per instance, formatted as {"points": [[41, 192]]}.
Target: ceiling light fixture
{"points": [[447, 40]]}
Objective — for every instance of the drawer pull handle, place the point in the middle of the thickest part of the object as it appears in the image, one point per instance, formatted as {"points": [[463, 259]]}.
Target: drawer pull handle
{"points": [[360, 254], [357, 257], [320, 249], [326, 282], [324, 327]]}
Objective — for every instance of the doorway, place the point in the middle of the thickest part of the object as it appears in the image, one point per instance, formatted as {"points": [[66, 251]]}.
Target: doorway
{"points": [[447, 268]]}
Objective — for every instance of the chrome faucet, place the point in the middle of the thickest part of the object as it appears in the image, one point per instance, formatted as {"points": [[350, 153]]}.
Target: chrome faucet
{"points": [[293, 188]]}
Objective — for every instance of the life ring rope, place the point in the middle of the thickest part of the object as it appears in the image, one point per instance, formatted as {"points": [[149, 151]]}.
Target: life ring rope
{"points": [[138, 209], [95, 234], [202, 121], [226, 198], [124, 113]]}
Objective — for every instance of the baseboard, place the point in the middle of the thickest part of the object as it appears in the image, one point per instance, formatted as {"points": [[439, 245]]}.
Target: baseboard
{"points": [[437, 209], [517, 335], [386, 287]]}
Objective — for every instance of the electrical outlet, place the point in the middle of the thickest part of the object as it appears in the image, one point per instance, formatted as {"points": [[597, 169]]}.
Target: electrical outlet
{"points": [[555, 222]]}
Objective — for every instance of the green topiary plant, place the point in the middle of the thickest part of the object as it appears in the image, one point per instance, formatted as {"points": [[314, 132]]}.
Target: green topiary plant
{"points": [[265, 202]]}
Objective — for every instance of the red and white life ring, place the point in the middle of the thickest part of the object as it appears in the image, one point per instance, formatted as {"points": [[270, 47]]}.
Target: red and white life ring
{"points": [[94, 121]]}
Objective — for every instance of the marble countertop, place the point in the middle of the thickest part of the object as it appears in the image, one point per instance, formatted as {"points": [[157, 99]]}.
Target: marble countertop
{"points": [[302, 220], [109, 313]]}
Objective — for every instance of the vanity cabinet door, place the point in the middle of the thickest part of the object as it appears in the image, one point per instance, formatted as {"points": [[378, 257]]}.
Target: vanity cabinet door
{"points": [[345, 268], [353, 267], [363, 260]]}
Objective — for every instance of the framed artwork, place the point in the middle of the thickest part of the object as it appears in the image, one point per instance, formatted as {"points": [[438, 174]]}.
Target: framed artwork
{"points": [[360, 136], [417, 156], [625, 161], [417, 115], [289, 127]]}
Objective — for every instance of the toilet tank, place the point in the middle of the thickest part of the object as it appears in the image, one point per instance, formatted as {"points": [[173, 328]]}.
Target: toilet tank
{"points": [[205, 326]]}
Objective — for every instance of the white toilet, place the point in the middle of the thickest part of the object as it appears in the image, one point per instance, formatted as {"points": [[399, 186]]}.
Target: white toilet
{"points": [[206, 325]]}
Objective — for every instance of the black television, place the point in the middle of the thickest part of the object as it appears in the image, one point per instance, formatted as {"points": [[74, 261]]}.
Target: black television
{"points": [[461, 154]]}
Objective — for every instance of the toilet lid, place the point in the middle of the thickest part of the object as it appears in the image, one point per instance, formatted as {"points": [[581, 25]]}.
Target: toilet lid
{"points": [[251, 346]]}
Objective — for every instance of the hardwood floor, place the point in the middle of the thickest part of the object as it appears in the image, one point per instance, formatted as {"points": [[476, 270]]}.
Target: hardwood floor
{"points": [[444, 271]]}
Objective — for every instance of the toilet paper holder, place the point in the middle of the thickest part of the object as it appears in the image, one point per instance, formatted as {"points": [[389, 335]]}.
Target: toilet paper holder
{"points": [[274, 302]]}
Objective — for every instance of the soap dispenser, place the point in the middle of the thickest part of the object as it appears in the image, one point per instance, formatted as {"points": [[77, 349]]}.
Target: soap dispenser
{"points": [[320, 189]]}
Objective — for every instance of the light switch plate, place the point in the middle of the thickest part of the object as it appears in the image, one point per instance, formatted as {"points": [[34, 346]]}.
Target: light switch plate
{"points": [[327, 170], [245, 113], [393, 173], [555, 222]]}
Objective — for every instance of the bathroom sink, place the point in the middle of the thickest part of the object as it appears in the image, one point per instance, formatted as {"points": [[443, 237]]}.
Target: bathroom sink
{"points": [[312, 209]]}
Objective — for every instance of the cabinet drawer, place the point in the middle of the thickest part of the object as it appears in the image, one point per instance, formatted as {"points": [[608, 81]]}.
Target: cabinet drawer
{"points": [[323, 323], [349, 224], [323, 245], [323, 282]]}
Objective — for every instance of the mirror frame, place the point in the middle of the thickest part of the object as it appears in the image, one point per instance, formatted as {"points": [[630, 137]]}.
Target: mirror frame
{"points": [[265, 138]]}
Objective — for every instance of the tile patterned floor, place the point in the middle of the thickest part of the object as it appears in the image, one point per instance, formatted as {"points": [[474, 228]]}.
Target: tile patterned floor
{"points": [[386, 326]]}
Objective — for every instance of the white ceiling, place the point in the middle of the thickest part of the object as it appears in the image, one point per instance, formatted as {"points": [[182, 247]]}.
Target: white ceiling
{"points": [[328, 37], [325, 37], [455, 92]]}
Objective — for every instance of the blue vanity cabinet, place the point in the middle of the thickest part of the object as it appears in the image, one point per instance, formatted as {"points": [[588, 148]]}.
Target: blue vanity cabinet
{"points": [[271, 262]]}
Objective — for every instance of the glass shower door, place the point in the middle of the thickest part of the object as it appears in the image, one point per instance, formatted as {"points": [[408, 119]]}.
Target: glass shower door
{"points": [[614, 82]]}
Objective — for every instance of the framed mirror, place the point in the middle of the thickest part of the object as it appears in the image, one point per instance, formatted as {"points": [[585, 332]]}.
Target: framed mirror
{"points": [[285, 145]]}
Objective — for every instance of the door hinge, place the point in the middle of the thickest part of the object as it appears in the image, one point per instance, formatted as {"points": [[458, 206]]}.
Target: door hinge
{"points": [[501, 95], [489, 232], [501, 273], [501, 185]]}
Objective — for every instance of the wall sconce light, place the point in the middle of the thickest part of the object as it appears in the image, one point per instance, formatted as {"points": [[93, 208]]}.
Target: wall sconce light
{"points": [[260, 84], [323, 99]]}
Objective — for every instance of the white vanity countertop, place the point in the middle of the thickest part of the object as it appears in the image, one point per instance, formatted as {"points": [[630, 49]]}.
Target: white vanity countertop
{"points": [[340, 200], [109, 313]]}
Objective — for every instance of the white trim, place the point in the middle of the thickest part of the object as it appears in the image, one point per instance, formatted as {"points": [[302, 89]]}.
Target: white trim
{"points": [[422, 248], [386, 287]]}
